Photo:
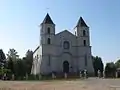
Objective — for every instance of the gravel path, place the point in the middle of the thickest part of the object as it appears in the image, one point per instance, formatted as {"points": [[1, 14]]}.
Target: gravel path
{"points": [[88, 84]]}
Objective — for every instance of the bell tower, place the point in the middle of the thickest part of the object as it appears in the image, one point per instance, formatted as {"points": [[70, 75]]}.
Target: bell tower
{"points": [[82, 32], [47, 31], [83, 44], [47, 40]]}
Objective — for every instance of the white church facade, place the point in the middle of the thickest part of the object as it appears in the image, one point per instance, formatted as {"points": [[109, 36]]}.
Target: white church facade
{"points": [[64, 51]]}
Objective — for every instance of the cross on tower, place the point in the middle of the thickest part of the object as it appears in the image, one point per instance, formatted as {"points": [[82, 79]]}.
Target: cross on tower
{"points": [[47, 9]]}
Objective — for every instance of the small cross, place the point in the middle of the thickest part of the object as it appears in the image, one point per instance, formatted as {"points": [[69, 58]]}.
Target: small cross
{"points": [[47, 9]]}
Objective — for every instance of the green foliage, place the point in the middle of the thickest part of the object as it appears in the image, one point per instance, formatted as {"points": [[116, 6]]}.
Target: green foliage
{"points": [[117, 64], [2, 62], [28, 61], [12, 53], [33, 77], [3, 71], [10, 65], [2, 58], [2, 55], [19, 67], [110, 69], [97, 64]]}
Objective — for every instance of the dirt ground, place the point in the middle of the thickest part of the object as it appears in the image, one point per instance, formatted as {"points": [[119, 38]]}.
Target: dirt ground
{"points": [[88, 84]]}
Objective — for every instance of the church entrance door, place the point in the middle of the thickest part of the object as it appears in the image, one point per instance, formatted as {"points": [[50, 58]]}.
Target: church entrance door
{"points": [[65, 66]]}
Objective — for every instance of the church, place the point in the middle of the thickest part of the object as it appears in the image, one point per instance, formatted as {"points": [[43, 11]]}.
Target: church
{"points": [[64, 51]]}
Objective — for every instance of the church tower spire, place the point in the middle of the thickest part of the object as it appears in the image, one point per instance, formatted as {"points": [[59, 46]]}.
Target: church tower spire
{"points": [[81, 23], [47, 20]]}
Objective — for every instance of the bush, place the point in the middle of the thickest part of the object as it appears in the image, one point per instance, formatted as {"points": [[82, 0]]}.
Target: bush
{"points": [[32, 77]]}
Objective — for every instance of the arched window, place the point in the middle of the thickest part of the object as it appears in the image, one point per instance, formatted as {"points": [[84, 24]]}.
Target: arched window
{"points": [[84, 33], [66, 45], [48, 30], [48, 41], [84, 42]]}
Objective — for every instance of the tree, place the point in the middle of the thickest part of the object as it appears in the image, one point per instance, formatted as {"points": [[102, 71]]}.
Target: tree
{"points": [[97, 64], [19, 69], [12, 53], [2, 62], [28, 61], [10, 65], [117, 64], [110, 69], [12, 58], [2, 59]]}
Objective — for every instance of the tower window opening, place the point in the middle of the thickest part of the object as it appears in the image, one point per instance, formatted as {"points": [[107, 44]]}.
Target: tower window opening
{"points": [[48, 41], [48, 30], [84, 42], [84, 33]]}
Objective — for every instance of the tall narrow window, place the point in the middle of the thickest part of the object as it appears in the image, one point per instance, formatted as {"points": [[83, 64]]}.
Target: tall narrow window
{"points": [[85, 60], [48, 41], [84, 42], [84, 33], [48, 30], [66, 45]]}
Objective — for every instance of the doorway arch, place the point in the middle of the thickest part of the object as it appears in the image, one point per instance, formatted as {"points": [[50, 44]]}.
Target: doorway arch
{"points": [[66, 67]]}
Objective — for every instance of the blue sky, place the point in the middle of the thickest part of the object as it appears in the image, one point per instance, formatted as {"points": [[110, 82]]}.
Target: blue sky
{"points": [[20, 19]]}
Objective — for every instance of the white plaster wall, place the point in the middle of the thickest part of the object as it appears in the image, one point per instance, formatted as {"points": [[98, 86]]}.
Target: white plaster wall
{"points": [[81, 65], [90, 65], [60, 51], [35, 61], [77, 52], [74, 55], [65, 57], [54, 64], [75, 64], [79, 31], [47, 49], [65, 36], [45, 68], [84, 50], [44, 35]]}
